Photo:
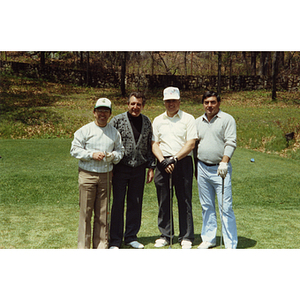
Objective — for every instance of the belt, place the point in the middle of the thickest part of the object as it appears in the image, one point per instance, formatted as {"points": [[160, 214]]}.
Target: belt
{"points": [[209, 165]]}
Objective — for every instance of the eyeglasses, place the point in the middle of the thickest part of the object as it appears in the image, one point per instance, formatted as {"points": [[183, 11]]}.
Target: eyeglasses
{"points": [[106, 111]]}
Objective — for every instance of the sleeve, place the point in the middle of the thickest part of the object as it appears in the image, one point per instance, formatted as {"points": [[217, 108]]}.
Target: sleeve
{"points": [[230, 138], [155, 131], [151, 160], [113, 122], [78, 146], [119, 149], [191, 129]]}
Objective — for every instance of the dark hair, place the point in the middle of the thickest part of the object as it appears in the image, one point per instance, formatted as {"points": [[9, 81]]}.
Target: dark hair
{"points": [[211, 94], [137, 95]]}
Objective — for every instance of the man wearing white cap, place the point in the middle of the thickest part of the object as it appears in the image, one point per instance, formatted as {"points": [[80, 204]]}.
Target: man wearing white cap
{"points": [[174, 136], [95, 145]]}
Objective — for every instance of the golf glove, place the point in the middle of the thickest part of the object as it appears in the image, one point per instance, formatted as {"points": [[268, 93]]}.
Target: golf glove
{"points": [[223, 169], [109, 156], [168, 161]]}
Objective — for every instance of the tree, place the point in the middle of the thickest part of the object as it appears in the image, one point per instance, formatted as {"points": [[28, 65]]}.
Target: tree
{"points": [[274, 74], [43, 60], [88, 68], [245, 61], [219, 71], [152, 62], [185, 63], [253, 63], [123, 73]]}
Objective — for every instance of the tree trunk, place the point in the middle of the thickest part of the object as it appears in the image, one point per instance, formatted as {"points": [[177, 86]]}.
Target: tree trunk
{"points": [[245, 61], [280, 60], [262, 63], [164, 63], [274, 74], [81, 59], [88, 68], [253, 63], [185, 63], [219, 71], [123, 73], [191, 63], [152, 64], [230, 70], [43, 60]]}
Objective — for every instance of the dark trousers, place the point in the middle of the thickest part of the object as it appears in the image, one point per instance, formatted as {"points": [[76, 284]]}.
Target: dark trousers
{"points": [[127, 181], [182, 180]]}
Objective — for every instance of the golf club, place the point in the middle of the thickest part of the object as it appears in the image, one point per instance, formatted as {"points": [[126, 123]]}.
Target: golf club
{"points": [[108, 200], [222, 213], [171, 208]]}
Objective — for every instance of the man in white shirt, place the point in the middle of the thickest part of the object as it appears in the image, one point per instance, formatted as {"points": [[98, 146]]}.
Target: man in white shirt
{"points": [[217, 143], [174, 136], [97, 145]]}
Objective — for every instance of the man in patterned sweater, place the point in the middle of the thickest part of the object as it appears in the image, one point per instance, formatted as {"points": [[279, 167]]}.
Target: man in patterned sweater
{"points": [[129, 175]]}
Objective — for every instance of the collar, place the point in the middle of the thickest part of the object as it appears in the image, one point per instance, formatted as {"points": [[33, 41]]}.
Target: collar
{"points": [[178, 114], [218, 115]]}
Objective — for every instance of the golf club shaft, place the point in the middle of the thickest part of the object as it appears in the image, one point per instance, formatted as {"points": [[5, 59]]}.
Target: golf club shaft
{"points": [[222, 213], [108, 200], [171, 208]]}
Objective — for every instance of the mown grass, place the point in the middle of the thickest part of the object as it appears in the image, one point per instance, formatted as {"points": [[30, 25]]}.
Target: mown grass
{"points": [[39, 199]]}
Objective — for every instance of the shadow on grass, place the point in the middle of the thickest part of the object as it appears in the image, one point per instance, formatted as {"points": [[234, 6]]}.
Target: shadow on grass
{"points": [[26, 100], [243, 242]]}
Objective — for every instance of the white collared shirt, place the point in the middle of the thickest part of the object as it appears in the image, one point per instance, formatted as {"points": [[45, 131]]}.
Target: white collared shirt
{"points": [[172, 133]]}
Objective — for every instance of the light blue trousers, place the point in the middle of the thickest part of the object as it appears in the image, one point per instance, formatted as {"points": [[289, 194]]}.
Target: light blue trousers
{"points": [[210, 185]]}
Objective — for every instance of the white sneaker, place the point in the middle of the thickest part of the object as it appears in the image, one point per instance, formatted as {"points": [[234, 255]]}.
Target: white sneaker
{"points": [[206, 245], [114, 247], [136, 245], [185, 244], [160, 243]]}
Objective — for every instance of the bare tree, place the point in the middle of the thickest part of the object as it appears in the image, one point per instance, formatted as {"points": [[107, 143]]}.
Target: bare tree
{"points": [[244, 54], [253, 63], [164, 63], [185, 63], [88, 68], [274, 74], [123, 73], [192, 63], [264, 63], [219, 71], [152, 62], [230, 70], [43, 59]]}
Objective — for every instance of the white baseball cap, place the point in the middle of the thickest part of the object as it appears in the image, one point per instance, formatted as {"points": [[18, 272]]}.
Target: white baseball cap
{"points": [[171, 93], [103, 102]]}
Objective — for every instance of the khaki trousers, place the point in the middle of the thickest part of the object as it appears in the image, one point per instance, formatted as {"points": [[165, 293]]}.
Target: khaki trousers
{"points": [[93, 198]]}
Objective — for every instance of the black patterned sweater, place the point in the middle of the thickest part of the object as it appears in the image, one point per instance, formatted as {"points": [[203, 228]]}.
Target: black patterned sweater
{"points": [[139, 153]]}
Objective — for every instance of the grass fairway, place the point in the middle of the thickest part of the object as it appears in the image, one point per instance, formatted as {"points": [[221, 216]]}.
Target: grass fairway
{"points": [[39, 199]]}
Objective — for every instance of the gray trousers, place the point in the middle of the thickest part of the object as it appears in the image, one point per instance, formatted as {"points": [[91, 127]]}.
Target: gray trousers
{"points": [[182, 181]]}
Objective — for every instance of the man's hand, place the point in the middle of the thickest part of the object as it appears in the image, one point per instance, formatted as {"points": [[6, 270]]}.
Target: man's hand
{"points": [[223, 169], [98, 155], [169, 164], [109, 156], [150, 175], [169, 161]]}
